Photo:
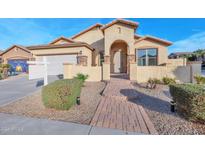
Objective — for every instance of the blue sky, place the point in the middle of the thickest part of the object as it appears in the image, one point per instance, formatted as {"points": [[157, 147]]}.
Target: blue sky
{"points": [[186, 34]]}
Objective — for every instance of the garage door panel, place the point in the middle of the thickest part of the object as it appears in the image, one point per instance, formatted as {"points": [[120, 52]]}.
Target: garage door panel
{"points": [[18, 65], [55, 66]]}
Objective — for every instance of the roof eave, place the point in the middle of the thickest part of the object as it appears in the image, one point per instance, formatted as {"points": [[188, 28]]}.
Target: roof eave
{"points": [[60, 46], [13, 46], [167, 43], [64, 38], [86, 30], [130, 23]]}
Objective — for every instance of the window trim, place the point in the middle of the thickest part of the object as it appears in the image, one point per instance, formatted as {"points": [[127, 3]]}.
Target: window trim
{"points": [[147, 59]]}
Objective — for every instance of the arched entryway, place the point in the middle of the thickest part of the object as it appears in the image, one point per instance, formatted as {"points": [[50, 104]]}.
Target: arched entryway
{"points": [[118, 57]]}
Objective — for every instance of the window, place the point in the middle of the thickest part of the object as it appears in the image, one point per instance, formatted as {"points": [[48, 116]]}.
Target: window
{"points": [[101, 58], [147, 57], [141, 57]]}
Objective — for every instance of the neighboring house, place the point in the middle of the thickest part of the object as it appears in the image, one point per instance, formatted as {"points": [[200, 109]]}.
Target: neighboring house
{"points": [[102, 50], [176, 55], [17, 56], [1, 56]]}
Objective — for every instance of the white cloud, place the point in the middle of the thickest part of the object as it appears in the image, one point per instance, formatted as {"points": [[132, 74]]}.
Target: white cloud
{"points": [[194, 42]]}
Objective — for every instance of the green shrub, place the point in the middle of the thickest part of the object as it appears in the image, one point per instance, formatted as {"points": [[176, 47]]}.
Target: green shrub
{"points": [[7, 66], [168, 81], [152, 83], [199, 79], [81, 76], [190, 100], [4, 68], [61, 94]]}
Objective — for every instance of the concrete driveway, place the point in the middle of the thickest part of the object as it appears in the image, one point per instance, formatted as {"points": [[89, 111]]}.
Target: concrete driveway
{"points": [[18, 87]]}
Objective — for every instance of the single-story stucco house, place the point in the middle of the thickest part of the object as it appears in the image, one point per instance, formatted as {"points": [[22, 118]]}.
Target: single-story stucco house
{"points": [[176, 55], [101, 50]]}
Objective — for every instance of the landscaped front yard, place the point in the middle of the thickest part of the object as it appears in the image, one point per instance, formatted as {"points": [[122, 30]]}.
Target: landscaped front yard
{"points": [[156, 103], [59, 103], [32, 106]]}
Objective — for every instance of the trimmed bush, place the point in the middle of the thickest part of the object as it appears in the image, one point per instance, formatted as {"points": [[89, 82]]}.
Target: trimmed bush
{"points": [[168, 81], [61, 94], [199, 79], [190, 101]]}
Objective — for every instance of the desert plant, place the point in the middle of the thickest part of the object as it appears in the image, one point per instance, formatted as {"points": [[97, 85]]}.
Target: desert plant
{"points": [[190, 100], [152, 83], [4, 68], [199, 79], [168, 81], [61, 94], [81, 77]]}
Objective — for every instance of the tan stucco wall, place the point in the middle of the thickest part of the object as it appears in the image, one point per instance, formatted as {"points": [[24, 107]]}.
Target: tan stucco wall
{"points": [[126, 34], [106, 71], [16, 53], [94, 37], [177, 62], [162, 49], [195, 70], [74, 50], [94, 73], [143, 73]]}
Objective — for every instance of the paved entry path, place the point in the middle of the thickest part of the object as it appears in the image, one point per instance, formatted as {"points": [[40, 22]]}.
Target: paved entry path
{"points": [[116, 111]]}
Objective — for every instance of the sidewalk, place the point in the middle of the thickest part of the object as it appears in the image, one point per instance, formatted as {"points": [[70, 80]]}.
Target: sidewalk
{"points": [[20, 125]]}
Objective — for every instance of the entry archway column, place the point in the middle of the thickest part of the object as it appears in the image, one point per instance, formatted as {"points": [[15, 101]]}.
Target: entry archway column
{"points": [[131, 61], [106, 68]]}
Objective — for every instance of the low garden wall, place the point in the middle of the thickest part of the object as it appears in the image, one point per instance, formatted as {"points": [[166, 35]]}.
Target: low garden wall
{"points": [[94, 72], [177, 62], [181, 73]]}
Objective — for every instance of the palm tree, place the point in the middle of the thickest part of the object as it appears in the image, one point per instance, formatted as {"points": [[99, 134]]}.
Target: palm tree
{"points": [[200, 54]]}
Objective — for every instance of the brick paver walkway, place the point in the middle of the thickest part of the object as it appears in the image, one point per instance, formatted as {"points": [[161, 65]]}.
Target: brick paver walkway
{"points": [[116, 111]]}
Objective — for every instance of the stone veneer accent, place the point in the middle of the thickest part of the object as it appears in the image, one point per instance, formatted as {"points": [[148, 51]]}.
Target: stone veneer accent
{"points": [[82, 60]]}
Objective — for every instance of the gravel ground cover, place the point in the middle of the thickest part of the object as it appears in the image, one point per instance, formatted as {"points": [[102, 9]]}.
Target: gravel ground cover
{"points": [[32, 106], [156, 104]]}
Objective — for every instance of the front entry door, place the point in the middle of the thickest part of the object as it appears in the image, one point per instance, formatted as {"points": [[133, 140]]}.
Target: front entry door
{"points": [[117, 62]]}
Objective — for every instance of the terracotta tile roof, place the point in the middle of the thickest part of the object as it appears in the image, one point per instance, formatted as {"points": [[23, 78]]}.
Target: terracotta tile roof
{"points": [[168, 43], [18, 46], [52, 46], [86, 30], [62, 38], [123, 21]]}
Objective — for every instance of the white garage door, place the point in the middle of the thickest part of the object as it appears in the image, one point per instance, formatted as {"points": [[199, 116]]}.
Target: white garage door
{"points": [[55, 66]]}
